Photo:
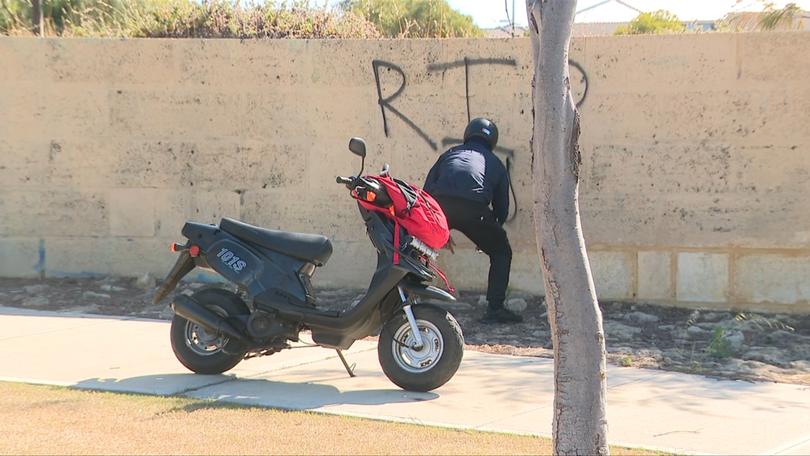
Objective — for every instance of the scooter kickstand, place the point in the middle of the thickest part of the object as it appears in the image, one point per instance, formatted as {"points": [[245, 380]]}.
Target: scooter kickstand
{"points": [[349, 369]]}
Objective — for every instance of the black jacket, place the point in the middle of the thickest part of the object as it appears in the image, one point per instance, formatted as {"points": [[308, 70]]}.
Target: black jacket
{"points": [[471, 171]]}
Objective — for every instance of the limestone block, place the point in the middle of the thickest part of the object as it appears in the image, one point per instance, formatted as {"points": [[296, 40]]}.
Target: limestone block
{"points": [[655, 275], [702, 277], [469, 270], [352, 264], [466, 269], [612, 274], [200, 113], [175, 207], [760, 55], [132, 212], [19, 257], [737, 117], [263, 64], [23, 60], [525, 274], [771, 278], [695, 219], [111, 62], [68, 257], [36, 111], [23, 163], [711, 65], [53, 213]]}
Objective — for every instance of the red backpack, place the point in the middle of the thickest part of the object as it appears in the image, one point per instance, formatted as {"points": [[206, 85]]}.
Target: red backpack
{"points": [[414, 210]]}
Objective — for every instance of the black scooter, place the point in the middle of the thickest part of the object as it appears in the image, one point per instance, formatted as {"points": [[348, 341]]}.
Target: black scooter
{"points": [[420, 345]]}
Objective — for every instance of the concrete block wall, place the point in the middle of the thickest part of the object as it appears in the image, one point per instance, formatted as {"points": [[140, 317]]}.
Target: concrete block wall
{"points": [[696, 152]]}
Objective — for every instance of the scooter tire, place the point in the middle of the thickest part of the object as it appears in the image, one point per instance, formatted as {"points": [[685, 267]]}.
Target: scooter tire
{"points": [[228, 355], [441, 355]]}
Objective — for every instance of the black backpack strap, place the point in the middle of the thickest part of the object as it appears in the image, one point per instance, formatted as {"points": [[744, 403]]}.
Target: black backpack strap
{"points": [[411, 195]]}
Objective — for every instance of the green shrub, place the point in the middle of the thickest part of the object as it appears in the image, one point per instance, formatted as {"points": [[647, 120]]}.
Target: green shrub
{"points": [[659, 22], [185, 19], [414, 18], [719, 346]]}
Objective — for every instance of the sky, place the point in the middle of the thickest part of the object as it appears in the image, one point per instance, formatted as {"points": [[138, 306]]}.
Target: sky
{"points": [[491, 13]]}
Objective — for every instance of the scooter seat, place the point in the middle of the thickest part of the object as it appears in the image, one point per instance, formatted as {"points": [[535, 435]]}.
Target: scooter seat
{"points": [[310, 247]]}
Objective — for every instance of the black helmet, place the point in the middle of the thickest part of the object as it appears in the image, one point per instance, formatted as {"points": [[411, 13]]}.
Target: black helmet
{"points": [[484, 129]]}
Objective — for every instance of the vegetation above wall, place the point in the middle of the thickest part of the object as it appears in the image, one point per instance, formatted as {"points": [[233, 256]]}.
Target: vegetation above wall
{"points": [[657, 22], [414, 18], [235, 19]]}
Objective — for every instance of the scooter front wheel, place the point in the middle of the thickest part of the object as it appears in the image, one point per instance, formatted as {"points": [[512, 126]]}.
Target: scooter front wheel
{"points": [[427, 367]]}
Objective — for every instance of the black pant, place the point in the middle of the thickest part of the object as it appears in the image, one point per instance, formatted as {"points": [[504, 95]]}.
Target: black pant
{"points": [[478, 223]]}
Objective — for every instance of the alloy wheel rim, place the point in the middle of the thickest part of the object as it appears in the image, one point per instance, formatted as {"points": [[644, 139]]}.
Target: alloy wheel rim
{"points": [[422, 360]]}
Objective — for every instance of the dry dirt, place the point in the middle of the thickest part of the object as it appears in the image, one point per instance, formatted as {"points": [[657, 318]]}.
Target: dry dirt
{"points": [[748, 346]]}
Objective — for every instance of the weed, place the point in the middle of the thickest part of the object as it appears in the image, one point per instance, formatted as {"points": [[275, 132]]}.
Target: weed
{"points": [[719, 346]]}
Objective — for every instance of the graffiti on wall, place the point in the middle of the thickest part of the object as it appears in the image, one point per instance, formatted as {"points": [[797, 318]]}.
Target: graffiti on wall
{"points": [[386, 101]]}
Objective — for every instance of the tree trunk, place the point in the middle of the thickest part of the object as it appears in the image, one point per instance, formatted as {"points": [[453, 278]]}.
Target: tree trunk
{"points": [[580, 424], [36, 17]]}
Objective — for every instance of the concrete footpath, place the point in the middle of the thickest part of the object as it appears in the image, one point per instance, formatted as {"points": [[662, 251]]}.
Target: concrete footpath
{"points": [[646, 408]]}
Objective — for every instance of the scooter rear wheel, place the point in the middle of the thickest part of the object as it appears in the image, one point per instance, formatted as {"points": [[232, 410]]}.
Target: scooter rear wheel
{"points": [[203, 351], [430, 366]]}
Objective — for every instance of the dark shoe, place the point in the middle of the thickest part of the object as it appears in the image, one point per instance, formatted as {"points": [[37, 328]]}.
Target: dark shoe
{"points": [[501, 315]]}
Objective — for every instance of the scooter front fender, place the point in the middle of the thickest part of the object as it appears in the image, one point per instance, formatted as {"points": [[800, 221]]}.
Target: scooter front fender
{"points": [[424, 291]]}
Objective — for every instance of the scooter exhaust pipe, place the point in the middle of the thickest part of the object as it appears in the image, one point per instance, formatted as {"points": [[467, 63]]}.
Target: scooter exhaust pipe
{"points": [[191, 310]]}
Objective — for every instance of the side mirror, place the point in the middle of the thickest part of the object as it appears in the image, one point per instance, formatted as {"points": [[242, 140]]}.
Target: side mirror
{"points": [[358, 147]]}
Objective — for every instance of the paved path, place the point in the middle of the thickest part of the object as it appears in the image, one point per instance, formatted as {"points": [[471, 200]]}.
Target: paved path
{"points": [[646, 408]]}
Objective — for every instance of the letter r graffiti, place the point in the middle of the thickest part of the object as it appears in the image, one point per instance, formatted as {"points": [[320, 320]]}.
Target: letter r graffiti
{"points": [[386, 103]]}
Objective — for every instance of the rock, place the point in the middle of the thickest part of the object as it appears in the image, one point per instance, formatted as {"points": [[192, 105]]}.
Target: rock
{"points": [[34, 289], [84, 309], [781, 336], [736, 339], [674, 355], [696, 332], [710, 327], [516, 305], [146, 281], [652, 353], [734, 365], [482, 301], [713, 316], [108, 287], [36, 301], [666, 327], [544, 315], [801, 365], [641, 317], [94, 295], [166, 314], [615, 330], [768, 355]]}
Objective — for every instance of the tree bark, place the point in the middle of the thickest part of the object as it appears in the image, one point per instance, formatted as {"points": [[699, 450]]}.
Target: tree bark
{"points": [[579, 424], [36, 17]]}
